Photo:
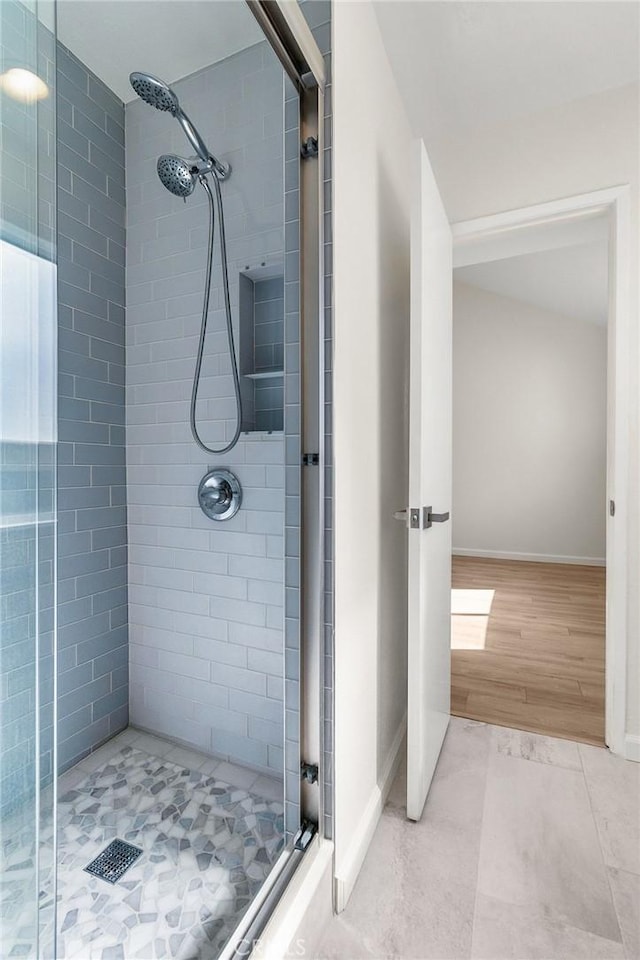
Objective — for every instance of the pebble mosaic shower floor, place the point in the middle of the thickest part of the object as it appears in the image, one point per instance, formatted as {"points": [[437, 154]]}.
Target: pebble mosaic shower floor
{"points": [[207, 848]]}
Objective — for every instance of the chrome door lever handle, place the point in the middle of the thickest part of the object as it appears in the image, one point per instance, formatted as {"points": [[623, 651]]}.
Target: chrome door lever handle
{"points": [[430, 518], [412, 517]]}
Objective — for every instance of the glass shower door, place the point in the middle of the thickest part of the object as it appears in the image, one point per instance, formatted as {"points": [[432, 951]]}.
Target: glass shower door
{"points": [[27, 477]]}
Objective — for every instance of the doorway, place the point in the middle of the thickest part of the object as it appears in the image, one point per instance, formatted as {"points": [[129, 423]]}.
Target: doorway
{"points": [[538, 405]]}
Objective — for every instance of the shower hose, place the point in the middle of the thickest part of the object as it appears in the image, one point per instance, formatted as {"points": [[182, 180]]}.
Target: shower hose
{"points": [[205, 315]]}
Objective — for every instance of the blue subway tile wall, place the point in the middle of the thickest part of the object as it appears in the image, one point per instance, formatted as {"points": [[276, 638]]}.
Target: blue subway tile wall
{"points": [[93, 690], [27, 216], [268, 331], [26, 621], [206, 599], [17, 658], [27, 165], [268, 309]]}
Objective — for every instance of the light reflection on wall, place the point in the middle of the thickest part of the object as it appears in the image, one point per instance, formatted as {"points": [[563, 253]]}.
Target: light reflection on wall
{"points": [[23, 85], [28, 347]]}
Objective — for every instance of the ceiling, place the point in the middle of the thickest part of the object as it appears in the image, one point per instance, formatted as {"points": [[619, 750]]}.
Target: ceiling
{"points": [[571, 281], [169, 38], [461, 66]]}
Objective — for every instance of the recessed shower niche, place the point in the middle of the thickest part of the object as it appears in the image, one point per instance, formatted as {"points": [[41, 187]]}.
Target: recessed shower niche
{"points": [[261, 313]]}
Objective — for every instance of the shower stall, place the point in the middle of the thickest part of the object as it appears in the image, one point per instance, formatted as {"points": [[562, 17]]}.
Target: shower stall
{"points": [[165, 654]]}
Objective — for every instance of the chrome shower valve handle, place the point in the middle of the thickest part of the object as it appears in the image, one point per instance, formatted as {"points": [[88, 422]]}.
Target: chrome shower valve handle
{"points": [[220, 494]]}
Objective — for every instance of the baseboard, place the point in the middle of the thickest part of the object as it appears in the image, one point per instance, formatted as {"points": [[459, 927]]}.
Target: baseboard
{"points": [[394, 758], [632, 747], [530, 557], [347, 874]]}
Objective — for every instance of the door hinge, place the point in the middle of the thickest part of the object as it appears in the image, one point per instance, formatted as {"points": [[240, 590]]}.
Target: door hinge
{"points": [[310, 459], [309, 772], [309, 148], [612, 508], [305, 835]]}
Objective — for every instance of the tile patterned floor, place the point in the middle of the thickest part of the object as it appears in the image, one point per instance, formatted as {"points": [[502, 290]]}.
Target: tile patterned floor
{"points": [[210, 832], [25, 917], [529, 847]]}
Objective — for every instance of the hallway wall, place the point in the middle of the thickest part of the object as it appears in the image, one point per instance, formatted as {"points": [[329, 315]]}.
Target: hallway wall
{"points": [[529, 430]]}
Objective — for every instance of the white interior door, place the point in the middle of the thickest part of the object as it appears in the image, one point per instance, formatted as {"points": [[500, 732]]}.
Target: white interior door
{"points": [[429, 535]]}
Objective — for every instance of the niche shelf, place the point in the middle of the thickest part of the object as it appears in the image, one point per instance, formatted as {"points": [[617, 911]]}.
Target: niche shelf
{"points": [[265, 375], [261, 302]]}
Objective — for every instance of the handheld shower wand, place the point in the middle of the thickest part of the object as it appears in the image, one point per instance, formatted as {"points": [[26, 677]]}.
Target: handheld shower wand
{"points": [[180, 177], [159, 94]]}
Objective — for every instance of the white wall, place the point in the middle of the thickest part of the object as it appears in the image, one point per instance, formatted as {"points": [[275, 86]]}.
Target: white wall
{"points": [[371, 298], [570, 149], [529, 429], [581, 146]]}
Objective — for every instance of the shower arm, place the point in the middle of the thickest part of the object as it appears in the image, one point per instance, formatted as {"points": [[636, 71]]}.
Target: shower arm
{"points": [[210, 162]]}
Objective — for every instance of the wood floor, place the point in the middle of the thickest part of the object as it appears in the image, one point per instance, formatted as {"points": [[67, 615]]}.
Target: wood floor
{"points": [[528, 646]]}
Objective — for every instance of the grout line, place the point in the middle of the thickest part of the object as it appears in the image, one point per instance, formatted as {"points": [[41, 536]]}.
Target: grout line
{"points": [[490, 753], [600, 846]]}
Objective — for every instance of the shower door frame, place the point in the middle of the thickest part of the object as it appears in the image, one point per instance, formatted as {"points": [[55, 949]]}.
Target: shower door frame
{"points": [[290, 37]]}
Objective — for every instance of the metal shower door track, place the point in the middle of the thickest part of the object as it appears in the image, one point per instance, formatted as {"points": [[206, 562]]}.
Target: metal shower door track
{"points": [[290, 37]]}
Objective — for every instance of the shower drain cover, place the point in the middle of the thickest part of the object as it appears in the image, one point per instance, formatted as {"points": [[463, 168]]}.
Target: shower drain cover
{"points": [[113, 861]]}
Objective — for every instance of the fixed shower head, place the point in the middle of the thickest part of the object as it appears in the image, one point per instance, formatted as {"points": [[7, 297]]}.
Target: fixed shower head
{"points": [[177, 175], [155, 92]]}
